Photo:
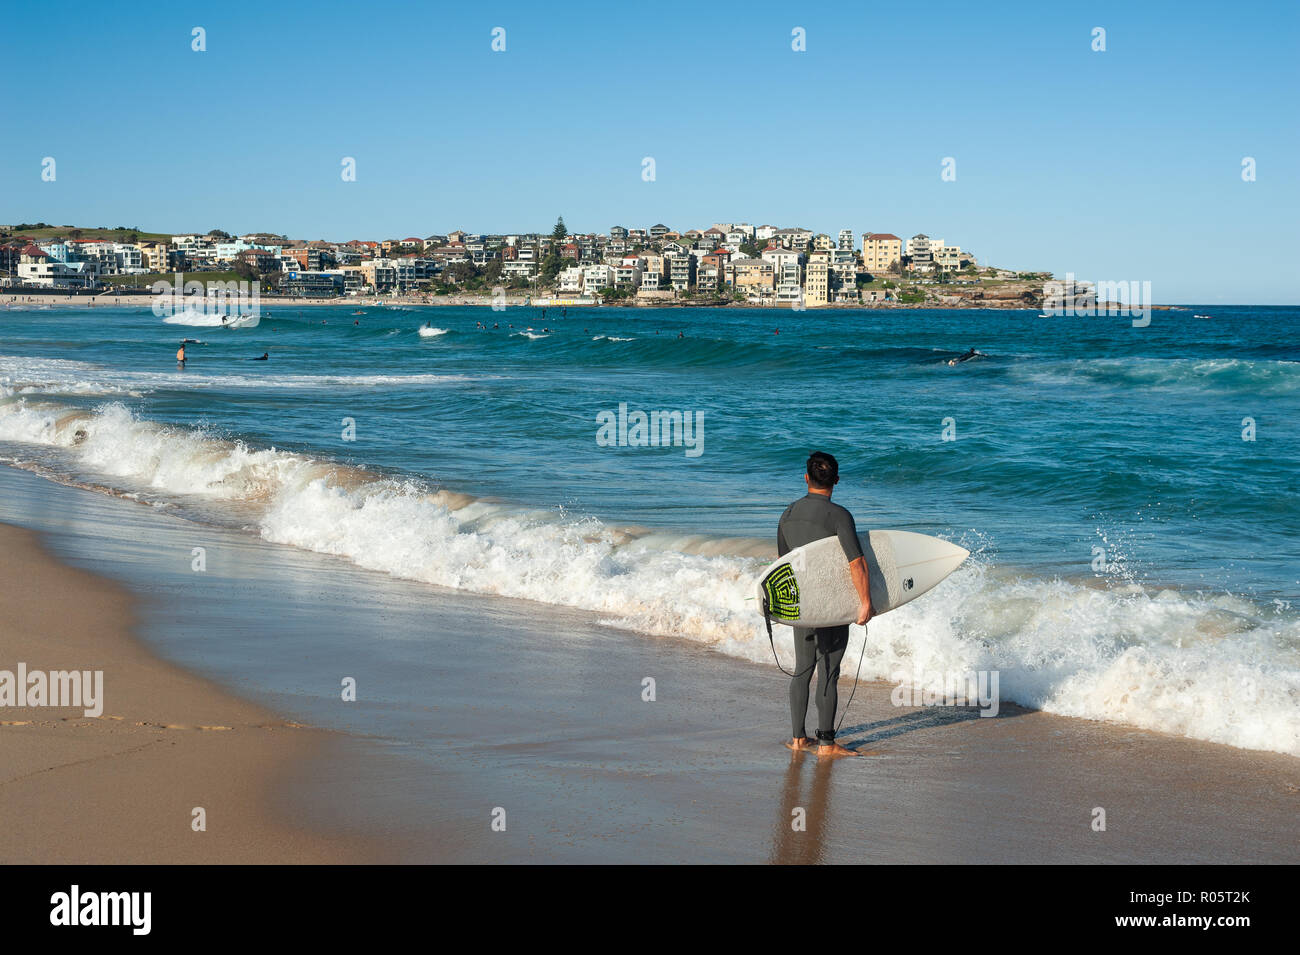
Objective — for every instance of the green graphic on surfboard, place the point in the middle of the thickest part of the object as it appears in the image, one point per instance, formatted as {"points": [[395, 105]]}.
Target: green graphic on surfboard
{"points": [[782, 592]]}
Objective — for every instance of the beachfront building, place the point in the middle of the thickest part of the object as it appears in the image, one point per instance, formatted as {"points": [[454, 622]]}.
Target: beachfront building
{"points": [[881, 252], [844, 281], [755, 278], [919, 251], [127, 259], [260, 259], [681, 271], [816, 287], [155, 255], [312, 284], [627, 274], [846, 240], [570, 280], [948, 257], [517, 269], [36, 267], [780, 257], [707, 278], [655, 262], [764, 232], [309, 259], [597, 277], [789, 275]]}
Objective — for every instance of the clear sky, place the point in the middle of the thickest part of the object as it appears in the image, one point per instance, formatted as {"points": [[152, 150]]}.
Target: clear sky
{"points": [[1116, 165]]}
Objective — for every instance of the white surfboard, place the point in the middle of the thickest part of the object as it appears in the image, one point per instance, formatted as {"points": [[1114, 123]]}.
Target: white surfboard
{"points": [[811, 585]]}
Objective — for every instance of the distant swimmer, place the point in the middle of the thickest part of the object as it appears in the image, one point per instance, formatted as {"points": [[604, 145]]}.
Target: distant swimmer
{"points": [[777, 332], [180, 355], [265, 357], [966, 357], [356, 321], [681, 334]]}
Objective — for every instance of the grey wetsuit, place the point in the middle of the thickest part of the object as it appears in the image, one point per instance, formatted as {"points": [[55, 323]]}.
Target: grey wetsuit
{"points": [[812, 518]]}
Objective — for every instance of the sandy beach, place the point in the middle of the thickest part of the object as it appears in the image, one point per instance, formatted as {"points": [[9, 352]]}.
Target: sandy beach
{"points": [[526, 708], [121, 788]]}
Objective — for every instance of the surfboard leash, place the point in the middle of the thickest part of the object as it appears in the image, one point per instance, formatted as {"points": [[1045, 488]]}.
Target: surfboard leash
{"points": [[862, 653], [767, 619]]}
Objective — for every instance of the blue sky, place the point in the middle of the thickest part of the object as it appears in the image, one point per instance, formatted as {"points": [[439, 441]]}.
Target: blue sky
{"points": [[1115, 165]]}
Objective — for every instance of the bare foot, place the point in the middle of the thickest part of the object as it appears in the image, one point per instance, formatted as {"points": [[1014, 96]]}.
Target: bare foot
{"points": [[800, 744], [835, 750]]}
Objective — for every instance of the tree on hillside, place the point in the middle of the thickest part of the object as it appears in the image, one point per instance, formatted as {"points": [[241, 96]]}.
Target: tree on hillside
{"points": [[460, 271], [560, 232]]}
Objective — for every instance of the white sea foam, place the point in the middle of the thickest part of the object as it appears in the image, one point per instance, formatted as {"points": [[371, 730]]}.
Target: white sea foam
{"points": [[58, 376], [428, 332], [203, 318], [1215, 668]]}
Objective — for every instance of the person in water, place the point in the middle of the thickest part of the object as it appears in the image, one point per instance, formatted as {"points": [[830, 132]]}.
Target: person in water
{"points": [[180, 355], [961, 358], [813, 518], [266, 356]]}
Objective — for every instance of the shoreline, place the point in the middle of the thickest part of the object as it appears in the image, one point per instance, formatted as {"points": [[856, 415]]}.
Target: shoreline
{"points": [[268, 303], [541, 712], [121, 788]]}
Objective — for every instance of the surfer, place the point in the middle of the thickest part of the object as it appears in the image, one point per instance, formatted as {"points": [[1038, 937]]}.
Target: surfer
{"points": [[266, 356], [966, 357], [813, 518]]}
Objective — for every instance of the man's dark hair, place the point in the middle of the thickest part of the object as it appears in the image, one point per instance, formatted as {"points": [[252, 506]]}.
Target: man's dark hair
{"points": [[823, 470]]}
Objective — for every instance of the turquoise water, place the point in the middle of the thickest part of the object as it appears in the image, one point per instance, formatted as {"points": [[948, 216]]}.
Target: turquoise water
{"points": [[1122, 529]]}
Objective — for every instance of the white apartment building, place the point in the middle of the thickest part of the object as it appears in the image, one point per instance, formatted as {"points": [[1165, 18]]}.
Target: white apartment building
{"points": [[597, 277], [570, 280]]}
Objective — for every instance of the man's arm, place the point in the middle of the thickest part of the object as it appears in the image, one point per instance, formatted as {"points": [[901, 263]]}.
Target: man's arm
{"points": [[861, 582], [847, 531]]}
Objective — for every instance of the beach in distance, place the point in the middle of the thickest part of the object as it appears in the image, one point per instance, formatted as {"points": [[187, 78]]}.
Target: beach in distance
{"points": [[402, 562]]}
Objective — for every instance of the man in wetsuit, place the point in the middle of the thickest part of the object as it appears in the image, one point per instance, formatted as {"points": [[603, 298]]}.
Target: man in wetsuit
{"points": [[961, 358], [813, 518]]}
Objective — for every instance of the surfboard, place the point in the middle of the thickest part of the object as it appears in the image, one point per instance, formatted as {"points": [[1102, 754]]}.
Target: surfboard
{"points": [[811, 585]]}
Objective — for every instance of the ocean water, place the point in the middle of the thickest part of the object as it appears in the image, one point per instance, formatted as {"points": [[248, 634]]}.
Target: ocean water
{"points": [[1129, 495]]}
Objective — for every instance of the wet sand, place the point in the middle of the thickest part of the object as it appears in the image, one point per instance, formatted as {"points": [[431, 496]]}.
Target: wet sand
{"points": [[470, 706], [122, 787]]}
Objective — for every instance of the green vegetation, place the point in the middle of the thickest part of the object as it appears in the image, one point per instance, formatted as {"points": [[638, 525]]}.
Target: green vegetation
{"points": [[42, 230]]}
